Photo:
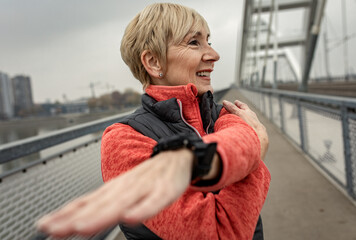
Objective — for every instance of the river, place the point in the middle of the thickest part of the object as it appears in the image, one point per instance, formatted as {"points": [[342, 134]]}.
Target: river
{"points": [[14, 130]]}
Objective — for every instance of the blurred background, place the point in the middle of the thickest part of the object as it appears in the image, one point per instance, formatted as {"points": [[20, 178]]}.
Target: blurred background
{"points": [[62, 82]]}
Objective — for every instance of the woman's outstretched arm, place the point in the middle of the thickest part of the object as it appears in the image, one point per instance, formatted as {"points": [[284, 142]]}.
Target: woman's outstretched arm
{"points": [[131, 197]]}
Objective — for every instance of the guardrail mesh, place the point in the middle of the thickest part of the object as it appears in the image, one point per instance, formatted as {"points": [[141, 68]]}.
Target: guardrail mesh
{"points": [[325, 129], [276, 112], [32, 192], [352, 128], [325, 140], [290, 120]]}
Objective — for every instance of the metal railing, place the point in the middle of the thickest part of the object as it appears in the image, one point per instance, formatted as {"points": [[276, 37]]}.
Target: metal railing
{"points": [[323, 127], [40, 186]]}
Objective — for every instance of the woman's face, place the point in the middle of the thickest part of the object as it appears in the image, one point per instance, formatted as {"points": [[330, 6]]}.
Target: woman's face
{"points": [[192, 61]]}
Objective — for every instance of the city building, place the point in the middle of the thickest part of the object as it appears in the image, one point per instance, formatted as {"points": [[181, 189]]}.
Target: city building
{"points": [[6, 97], [77, 106], [22, 95]]}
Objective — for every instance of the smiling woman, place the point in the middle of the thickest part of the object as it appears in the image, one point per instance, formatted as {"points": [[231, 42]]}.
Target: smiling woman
{"points": [[181, 166]]}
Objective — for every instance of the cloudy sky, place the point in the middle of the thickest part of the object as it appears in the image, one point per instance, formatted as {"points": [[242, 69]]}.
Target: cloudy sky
{"points": [[64, 46]]}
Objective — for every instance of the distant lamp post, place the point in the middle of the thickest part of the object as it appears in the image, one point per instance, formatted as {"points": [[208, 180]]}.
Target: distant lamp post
{"points": [[345, 39]]}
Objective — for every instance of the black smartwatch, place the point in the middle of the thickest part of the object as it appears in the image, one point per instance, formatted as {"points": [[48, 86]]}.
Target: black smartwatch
{"points": [[203, 152]]}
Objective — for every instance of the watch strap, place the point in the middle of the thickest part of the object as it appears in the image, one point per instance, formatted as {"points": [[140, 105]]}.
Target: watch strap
{"points": [[203, 152]]}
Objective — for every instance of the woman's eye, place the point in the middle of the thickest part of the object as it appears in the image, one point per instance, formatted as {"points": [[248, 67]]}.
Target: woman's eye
{"points": [[194, 42]]}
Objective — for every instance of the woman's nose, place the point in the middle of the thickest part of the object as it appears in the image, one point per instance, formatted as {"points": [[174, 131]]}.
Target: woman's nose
{"points": [[211, 54]]}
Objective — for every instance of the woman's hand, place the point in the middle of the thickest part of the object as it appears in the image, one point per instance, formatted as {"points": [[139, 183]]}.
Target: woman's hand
{"points": [[131, 197], [245, 113]]}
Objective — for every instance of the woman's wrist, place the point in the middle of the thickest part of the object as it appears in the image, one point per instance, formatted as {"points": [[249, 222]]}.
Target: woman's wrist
{"points": [[188, 157], [215, 170], [203, 153]]}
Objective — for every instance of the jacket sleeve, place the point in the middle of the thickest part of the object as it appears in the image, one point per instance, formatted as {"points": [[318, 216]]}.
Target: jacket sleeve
{"points": [[230, 214], [118, 155], [238, 147]]}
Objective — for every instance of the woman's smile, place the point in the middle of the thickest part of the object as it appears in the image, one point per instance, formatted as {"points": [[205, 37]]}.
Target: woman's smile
{"points": [[204, 74]]}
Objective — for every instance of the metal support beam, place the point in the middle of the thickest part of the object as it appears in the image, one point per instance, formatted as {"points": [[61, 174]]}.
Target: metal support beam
{"points": [[285, 42], [267, 43], [245, 33], [284, 5], [294, 67], [311, 44]]}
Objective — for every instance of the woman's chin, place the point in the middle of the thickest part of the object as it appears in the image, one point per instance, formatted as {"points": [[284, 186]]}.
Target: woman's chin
{"points": [[204, 89]]}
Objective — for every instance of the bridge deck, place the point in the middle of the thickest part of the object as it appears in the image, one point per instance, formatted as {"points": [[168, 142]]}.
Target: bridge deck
{"points": [[301, 203]]}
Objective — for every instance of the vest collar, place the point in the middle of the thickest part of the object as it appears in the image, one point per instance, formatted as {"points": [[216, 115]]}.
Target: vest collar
{"points": [[167, 110], [164, 103], [185, 93]]}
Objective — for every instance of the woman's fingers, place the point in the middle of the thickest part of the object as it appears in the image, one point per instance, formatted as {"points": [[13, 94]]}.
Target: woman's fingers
{"points": [[98, 217], [231, 108], [53, 221], [241, 105], [62, 215], [110, 208], [67, 220], [98, 210], [133, 196], [242, 110]]}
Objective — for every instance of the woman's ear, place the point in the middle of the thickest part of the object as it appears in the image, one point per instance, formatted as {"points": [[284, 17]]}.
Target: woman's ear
{"points": [[151, 64]]}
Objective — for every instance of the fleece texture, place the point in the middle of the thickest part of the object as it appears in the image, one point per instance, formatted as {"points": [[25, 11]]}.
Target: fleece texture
{"points": [[199, 213]]}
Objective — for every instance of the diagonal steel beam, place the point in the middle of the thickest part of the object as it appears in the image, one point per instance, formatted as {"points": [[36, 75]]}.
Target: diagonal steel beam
{"points": [[283, 5]]}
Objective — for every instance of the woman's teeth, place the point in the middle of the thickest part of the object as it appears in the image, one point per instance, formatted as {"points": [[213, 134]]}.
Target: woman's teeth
{"points": [[203, 74]]}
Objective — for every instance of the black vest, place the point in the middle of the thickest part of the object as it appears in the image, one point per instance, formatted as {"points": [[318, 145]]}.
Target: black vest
{"points": [[161, 119]]}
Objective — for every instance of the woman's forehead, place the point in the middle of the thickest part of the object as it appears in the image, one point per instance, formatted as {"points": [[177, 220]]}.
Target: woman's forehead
{"points": [[198, 28], [203, 32]]}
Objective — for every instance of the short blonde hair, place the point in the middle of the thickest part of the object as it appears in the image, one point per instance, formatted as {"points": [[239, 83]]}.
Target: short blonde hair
{"points": [[153, 29]]}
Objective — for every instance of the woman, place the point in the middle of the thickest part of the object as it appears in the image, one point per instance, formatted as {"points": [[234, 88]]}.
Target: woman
{"points": [[180, 152]]}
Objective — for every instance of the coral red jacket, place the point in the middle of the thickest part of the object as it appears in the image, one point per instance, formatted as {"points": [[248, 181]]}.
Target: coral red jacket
{"points": [[199, 213]]}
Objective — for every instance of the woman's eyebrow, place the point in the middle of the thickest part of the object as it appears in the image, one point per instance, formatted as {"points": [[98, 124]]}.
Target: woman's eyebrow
{"points": [[199, 34]]}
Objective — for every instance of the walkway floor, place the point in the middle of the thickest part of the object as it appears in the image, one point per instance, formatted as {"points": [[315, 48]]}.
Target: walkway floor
{"points": [[302, 203]]}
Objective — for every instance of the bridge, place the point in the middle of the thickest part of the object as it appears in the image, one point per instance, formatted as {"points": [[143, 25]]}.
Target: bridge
{"points": [[312, 155]]}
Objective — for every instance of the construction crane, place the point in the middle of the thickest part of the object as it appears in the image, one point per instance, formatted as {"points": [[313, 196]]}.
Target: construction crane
{"points": [[92, 88]]}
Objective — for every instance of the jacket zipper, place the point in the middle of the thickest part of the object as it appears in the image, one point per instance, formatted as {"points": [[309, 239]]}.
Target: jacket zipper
{"points": [[181, 114], [207, 128]]}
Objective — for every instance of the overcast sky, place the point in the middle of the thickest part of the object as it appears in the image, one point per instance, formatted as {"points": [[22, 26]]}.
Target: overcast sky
{"points": [[66, 45]]}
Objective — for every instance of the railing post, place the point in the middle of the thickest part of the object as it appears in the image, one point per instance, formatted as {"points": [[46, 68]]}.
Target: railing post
{"points": [[347, 152], [301, 126], [281, 112], [260, 106], [270, 107], [263, 103]]}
